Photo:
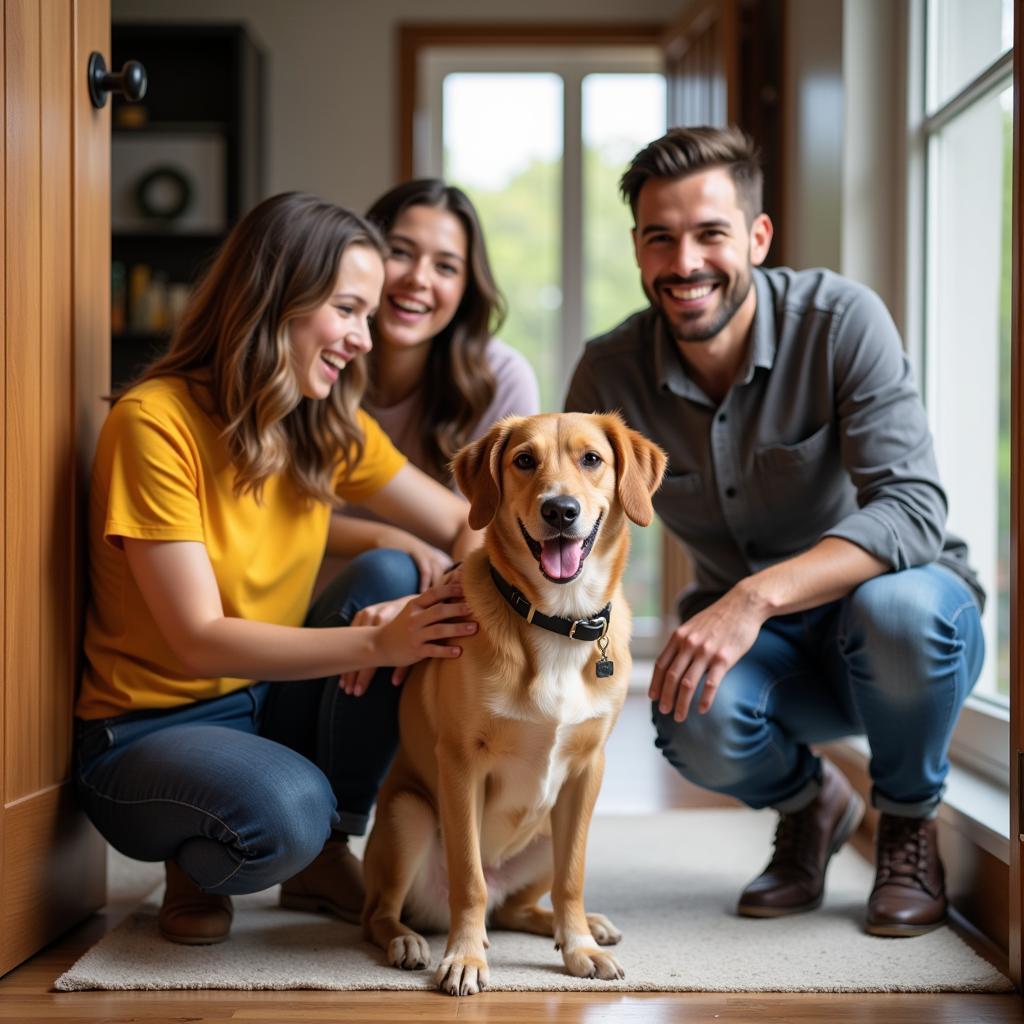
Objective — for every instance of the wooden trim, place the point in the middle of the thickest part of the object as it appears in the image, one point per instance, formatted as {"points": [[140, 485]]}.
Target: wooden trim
{"points": [[779, 253], [413, 38], [56, 656], [4, 98], [694, 22], [729, 44], [1016, 922], [21, 770]]}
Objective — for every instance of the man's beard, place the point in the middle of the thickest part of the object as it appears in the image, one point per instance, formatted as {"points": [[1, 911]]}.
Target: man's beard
{"points": [[687, 326]]}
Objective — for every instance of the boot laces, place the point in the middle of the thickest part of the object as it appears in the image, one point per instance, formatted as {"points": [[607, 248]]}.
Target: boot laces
{"points": [[791, 841], [903, 851]]}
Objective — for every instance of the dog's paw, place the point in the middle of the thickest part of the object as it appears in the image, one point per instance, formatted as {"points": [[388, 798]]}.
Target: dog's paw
{"points": [[604, 932], [462, 975], [592, 963], [410, 952]]}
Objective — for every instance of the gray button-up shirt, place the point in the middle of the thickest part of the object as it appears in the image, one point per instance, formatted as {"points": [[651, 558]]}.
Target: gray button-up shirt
{"points": [[823, 434]]}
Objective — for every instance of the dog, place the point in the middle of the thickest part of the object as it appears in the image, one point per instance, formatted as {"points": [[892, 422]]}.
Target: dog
{"points": [[487, 805]]}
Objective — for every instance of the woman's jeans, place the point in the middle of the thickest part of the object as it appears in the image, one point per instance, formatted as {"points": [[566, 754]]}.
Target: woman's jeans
{"points": [[894, 661], [243, 790]]}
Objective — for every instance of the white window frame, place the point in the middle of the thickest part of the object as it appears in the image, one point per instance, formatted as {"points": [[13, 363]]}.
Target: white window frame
{"points": [[572, 64], [981, 741]]}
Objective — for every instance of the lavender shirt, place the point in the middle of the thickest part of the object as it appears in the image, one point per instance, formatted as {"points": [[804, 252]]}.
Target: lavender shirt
{"points": [[515, 393]]}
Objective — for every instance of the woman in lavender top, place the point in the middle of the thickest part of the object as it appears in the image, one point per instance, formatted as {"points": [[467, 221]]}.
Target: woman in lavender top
{"points": [[438, 378]]}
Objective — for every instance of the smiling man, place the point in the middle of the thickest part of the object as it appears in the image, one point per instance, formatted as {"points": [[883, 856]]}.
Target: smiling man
{"points": [[829, 599]]}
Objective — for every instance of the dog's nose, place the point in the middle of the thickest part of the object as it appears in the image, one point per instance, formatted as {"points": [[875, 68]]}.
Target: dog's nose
{"points": [[560, 512]]}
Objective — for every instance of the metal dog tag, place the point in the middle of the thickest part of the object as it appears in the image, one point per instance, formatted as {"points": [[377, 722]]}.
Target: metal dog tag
{"points": [[605, 666]]}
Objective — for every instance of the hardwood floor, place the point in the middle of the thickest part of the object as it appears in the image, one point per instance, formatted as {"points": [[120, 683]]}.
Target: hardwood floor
{"points": [[637, 780]]}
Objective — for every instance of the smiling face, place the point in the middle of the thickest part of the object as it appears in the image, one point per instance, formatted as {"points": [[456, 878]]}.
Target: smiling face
{"points": [[559, 480], [326, 340], [696, 252], [425, 276]]}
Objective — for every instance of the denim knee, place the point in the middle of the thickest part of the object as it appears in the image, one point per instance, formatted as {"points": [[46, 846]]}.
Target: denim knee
{"points": [[370, 578], [294, 821], [394, 573], [904, 626], [706, 749]]}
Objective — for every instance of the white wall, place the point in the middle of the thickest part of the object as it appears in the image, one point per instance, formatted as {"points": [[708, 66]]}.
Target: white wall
{"points": [[331, 107]]}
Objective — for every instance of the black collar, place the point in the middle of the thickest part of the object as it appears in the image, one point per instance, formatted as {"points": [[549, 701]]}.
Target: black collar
{"points": [[575, 629]]}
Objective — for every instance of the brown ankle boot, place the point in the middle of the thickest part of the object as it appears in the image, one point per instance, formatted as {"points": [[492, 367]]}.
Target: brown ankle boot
{"points": [[909, 897], [189, 915], [805, 840], [332, 883]]}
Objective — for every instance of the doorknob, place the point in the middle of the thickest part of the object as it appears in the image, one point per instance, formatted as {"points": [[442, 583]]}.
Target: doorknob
{"points": [[130, 81]]}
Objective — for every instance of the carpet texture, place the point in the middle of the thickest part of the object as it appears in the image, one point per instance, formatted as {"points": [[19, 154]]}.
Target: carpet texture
{"points": [[669, 881]]}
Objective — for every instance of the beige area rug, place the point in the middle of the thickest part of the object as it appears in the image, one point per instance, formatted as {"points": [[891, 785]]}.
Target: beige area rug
{"points": [[669, 881]]}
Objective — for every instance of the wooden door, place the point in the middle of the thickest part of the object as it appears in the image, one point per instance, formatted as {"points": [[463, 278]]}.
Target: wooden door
{"points": [[54, 309]]}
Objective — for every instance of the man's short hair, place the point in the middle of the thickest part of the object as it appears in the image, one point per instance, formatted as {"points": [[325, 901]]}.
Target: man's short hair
{"points": [[681, 152]]}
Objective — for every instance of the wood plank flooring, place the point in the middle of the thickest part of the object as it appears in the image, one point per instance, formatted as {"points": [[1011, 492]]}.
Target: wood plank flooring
{"points": [[637, 780]]}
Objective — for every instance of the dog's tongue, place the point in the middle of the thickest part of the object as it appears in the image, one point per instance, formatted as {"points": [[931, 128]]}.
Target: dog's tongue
{"points": [[560, 557]]}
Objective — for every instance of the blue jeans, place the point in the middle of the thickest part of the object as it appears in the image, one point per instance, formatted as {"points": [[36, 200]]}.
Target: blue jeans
{"points": [[243, 790], [894, 661]]}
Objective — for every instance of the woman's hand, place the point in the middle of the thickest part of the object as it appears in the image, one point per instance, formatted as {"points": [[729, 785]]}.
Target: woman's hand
{"points": [[358, 680], [412, 629]]}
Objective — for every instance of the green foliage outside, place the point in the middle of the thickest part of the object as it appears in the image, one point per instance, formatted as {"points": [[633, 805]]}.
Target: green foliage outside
{"points": [[522, 224]]}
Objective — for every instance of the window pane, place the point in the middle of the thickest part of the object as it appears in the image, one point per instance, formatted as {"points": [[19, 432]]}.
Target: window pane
{"points": [[968, 351], [964, 38], [621, 114], [503, 145]]}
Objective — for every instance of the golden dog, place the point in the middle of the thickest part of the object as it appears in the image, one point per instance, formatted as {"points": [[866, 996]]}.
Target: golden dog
{"points": [[503, 748]]}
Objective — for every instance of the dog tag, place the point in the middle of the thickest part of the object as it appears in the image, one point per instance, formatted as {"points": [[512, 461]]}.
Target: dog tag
{"points": [[605, 666]]}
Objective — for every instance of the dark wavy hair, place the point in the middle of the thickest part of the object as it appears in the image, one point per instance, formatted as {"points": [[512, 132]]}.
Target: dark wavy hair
{"points": [[232, 344], [684, 151], [458, 384]]}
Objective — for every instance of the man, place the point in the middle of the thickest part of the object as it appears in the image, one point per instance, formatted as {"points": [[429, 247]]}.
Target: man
{"points": [[828, 599]]}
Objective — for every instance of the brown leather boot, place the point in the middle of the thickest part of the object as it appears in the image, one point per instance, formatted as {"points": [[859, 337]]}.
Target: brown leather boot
{"points": [[909, 897], [189, 915], [805, 840], [332, 883]]}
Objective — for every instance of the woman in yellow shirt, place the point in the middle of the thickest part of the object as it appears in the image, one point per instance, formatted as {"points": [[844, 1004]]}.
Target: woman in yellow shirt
{"points": [[211, 494]]}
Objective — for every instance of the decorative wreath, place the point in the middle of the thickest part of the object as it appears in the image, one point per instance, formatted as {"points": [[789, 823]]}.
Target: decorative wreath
{"points": [[164, 193]]}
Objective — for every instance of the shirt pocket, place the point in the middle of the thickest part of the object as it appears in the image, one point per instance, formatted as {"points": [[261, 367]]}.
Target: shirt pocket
{"points": [[681, 484], [802, 490], [790, 458]]}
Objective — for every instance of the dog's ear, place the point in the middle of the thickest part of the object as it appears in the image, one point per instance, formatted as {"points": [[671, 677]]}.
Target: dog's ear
{"points": [[639, 465], [477, 469]]}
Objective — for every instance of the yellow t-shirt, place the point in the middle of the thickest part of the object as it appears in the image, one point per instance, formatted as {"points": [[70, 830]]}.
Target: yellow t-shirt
{"points": [[163, 472]]}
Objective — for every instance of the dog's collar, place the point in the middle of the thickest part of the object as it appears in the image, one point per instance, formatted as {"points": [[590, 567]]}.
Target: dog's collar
{"points": [[593, 628]]}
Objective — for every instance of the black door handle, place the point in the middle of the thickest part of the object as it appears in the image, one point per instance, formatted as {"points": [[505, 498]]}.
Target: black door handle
{"points": [[130, 81]]}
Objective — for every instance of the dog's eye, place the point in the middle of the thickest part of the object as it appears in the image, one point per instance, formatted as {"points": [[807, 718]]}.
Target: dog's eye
{"points": [[591, 459], [524, 460]]}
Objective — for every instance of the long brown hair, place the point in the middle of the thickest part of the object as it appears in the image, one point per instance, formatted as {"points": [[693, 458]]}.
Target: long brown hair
{"points": [[458, 384], [279, 263]]}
